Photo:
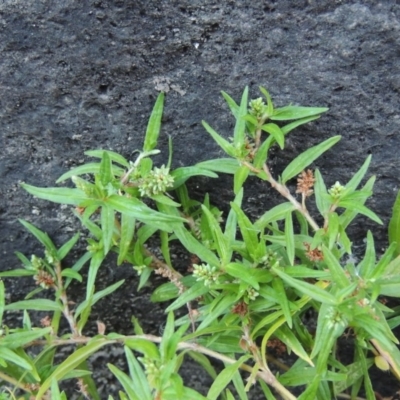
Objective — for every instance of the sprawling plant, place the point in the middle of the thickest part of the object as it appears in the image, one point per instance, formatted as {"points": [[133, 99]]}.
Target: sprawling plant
{"points": [[251, 285]]}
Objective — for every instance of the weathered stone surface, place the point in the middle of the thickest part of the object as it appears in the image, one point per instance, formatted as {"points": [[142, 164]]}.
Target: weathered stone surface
{"points": [[82, 75]]}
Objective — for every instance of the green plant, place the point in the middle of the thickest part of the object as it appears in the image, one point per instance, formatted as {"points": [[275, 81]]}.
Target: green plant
{"points": [[250, 287]]}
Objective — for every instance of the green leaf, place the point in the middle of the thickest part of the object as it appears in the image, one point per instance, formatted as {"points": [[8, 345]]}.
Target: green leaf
{"points": [[105, 172], [36, 304], [112, 155], [276, 133], [90, 168], [359, 175], [2, 302], [240, 177], [197, 290], [11, 356], [195, 247], [14, 273], [223, 143], [93, 299], [294, 112], [240, 127], [358, 207], [219, 306], [224, 165], [128, 385], [70, 273], [394, 225], [223, 379], [154, 125], [274, 214], [307, 157], [289, 238], [231, 103], [262, 153], [338, 275], [281, 298], [321, 193], [231, 220], [57, 195], [137, 209], [333, 229], [126, 236], [107, 227], [138, 376], [242, 272], [66, 247], [19, 339], [220, 241], [289, 127], [312, 291], [350, 214], [287, 336], [181, 175], [70, 363], [41, 236], [367, 266], [204, 362], [247, 229], [147, 348], [270, 106]]}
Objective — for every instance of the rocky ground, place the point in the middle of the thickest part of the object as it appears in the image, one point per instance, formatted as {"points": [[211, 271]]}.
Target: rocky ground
{"points": [[79, 75]]}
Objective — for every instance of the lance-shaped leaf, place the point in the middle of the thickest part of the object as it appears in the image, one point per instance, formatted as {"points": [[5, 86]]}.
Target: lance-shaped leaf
{"points": [[307, 157], [181, 175], [355, 205], [126, 236], [239, 178], [107, 227], [359, 175], [154, 125], [339, 277], [115, 157], [312, 291], [36, 304], [71, 363], [43, 237], [137, 209], [243, 273], [240, 126], [223, 143], [224, 165], [321, 194], [105, 173], [220, 240], [57, 195], [231, 103], [274, 214], [295, 112], [19, 339], [289, 238], [197, 290], [276, 133], [225, 376], [247, 229], [394, 224]]}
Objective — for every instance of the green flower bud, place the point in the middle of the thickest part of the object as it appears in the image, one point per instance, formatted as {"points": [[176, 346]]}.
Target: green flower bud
{"points": [[205, 273], [257, 107], [156, 181], [336, 190]]}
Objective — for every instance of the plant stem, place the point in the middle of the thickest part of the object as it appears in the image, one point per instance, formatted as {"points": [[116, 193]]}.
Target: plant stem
{"points": [[63, 297], [284, 191]]}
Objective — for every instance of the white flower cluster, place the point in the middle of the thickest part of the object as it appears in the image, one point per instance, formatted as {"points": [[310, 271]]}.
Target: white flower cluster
{"points": [[205, 273]]}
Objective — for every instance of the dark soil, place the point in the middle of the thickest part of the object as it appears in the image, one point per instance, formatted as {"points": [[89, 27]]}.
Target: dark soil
{"points": [[80, 75]]}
